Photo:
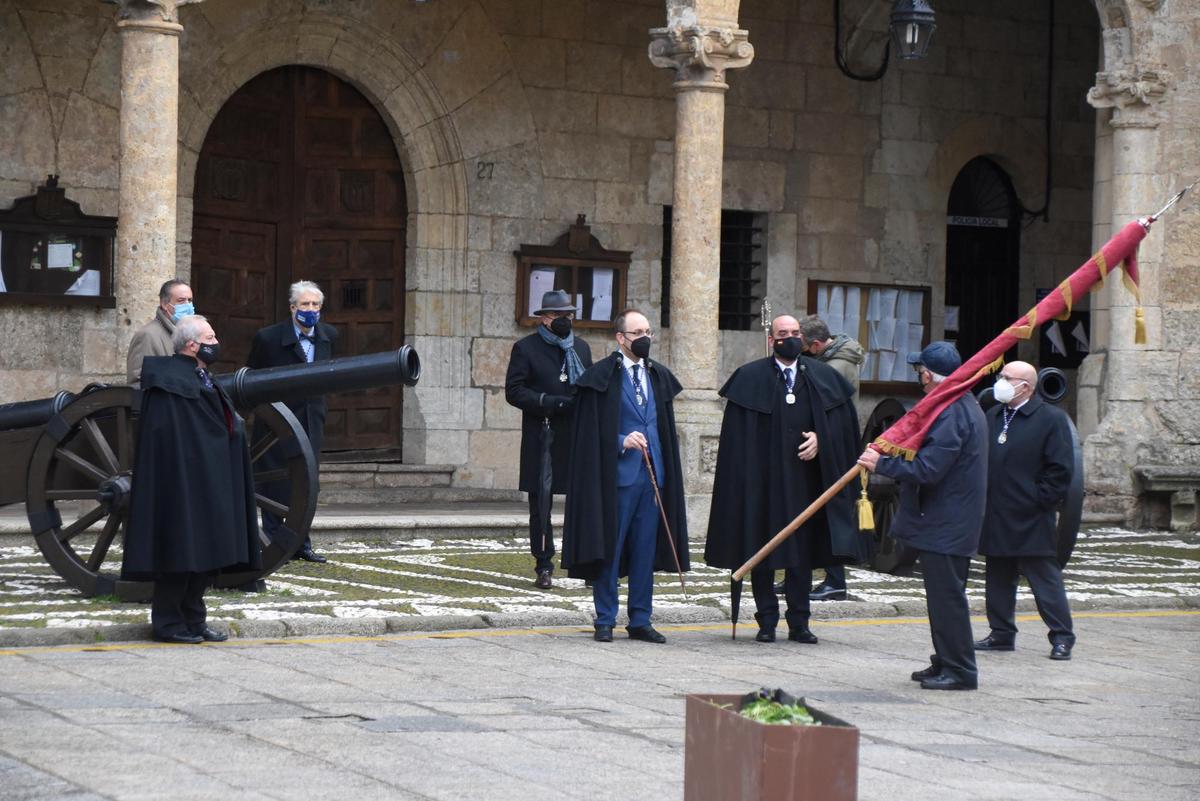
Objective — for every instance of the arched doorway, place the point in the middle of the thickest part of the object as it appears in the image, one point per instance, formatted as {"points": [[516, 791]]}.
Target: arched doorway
{"points": [[983, 239], [298, 179]]}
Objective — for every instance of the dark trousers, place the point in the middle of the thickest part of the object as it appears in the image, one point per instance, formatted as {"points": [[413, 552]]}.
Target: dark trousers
{"points": [[1045, 580], [796, 583], [177, 606], [637, 518], [835, 576], [541, 534], [949, 617]]}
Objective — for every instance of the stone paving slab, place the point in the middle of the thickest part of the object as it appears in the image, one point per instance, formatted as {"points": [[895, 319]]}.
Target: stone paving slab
{"points": [[547, 713]]}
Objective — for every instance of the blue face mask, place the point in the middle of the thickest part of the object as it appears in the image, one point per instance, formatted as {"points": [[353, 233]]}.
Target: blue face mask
{"points": [[307, 318], [183, 310]]}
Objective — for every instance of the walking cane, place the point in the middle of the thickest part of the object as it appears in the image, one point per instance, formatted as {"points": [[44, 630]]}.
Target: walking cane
{"points": [[663, 513]]}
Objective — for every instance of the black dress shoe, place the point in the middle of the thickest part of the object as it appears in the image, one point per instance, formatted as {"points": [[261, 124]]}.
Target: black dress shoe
{"points": [[1060, 652], [645, 634], [603, 633], [309, 555], [254, 585], [543, 581], [211, 635], [945, 681], [992, 643], [825, 592], [181, 638], [765, 635], [928, 673], [802, 635]]}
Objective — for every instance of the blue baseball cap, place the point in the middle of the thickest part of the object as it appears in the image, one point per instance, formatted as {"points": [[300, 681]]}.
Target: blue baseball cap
{"points": [[940, 357]]}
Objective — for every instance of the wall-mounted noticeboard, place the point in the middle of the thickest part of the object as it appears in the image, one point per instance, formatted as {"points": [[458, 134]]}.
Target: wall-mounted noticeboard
{"points": [[888, 320], [578, 264]]}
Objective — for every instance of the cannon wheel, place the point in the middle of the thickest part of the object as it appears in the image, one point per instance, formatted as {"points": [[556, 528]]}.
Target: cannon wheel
{"points": [[888, 555], [86, 454]]}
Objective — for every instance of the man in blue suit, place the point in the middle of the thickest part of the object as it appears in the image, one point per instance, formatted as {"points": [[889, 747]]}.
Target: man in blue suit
{"points": [[943, 493], [623, 411]]}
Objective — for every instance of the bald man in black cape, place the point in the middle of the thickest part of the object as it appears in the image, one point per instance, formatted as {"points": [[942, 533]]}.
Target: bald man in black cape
{"points": [[790, 431]]}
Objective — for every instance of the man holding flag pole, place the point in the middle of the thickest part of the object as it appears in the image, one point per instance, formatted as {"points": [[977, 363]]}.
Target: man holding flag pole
{"points": [[943, 493]]}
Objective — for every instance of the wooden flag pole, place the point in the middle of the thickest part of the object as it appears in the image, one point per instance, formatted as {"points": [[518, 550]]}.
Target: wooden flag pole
{"points": [[799, 520]]}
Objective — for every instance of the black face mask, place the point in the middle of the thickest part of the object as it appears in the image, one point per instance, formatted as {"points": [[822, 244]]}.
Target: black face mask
{"points": [[640, 347], [208, 353], [561, 327], [789, 348]]}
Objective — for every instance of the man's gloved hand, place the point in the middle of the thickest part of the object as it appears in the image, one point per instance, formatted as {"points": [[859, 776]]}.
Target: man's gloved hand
{"points": [[558, 404]]}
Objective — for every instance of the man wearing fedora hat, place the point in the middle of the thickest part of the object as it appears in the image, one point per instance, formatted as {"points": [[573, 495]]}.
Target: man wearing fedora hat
{"points": [[943, 492], [542, 372]]}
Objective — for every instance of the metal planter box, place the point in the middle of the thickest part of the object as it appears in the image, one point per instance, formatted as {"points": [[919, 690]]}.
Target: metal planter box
{"points": [[732, 758]]}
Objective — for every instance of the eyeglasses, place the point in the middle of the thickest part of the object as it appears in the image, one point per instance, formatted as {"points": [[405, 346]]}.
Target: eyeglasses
{"points": [[917, 368], [554, 315], [1011, 379], [642, 332]]}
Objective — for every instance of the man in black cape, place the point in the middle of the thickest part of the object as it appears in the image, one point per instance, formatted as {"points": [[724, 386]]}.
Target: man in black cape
{"points": [[542, 372], [1030, 464], [192, 512], [624, 409], [790, 431]]}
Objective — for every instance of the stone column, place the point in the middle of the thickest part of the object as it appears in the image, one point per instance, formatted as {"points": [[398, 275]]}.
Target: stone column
{"points": [[1125, 379], [700, 54], [149, 33]]}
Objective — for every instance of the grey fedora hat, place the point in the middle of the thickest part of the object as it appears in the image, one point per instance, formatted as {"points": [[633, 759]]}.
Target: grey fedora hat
{"points": [[556, 300]]}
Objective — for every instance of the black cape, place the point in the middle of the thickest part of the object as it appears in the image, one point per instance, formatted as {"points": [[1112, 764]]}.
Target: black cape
{"points": [[192, 508], [590, 526], [760, 484]]}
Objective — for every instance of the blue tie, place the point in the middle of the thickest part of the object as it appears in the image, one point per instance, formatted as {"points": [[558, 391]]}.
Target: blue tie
{"points": [[637, 384], [787, 378], [205, 379]]}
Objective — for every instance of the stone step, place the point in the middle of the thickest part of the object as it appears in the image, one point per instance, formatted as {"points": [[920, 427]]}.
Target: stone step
{"points": [[392, 482], [372, 522]]}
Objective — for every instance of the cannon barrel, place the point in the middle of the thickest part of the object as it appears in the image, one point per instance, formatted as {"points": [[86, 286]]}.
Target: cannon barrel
{"points": [[1052, 384], [32, 414], [249, 388]]}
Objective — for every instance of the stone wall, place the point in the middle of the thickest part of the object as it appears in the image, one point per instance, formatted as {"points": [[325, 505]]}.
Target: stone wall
{"points": [[560, 97]]}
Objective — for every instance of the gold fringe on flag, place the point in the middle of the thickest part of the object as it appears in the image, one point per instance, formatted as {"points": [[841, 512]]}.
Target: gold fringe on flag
{"points": [[1026, 330], [1065, 289], [866, 515], [1139, 314], [1102, 267]]}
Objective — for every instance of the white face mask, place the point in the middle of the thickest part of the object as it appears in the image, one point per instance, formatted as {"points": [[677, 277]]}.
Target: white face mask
{"points": [[1004, 391]]}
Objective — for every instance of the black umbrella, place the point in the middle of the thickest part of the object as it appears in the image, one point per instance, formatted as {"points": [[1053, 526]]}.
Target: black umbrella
{"points": [[546, 480], [735, 600]]}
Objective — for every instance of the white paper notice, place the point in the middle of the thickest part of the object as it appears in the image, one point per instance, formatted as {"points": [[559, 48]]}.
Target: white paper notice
{"points": [[822, 302], [2, 287], [887, 333], [951, 318], [853, 312], [59, 257], [873, 306], [1079, 332], [915, 314], [916, 333], [88, 283], [1054, 334], [887, 364], [579, 305], [901, 370], [541, 281], [887, 303], [602, 285], [867, 373], [837, 304]]}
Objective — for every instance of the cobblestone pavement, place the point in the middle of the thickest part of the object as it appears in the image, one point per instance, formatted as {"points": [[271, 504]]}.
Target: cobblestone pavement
{"points": [[425, 579], [549, 714]]}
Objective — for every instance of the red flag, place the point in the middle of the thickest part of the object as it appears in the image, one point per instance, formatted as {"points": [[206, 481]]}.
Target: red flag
{"points": [[907, 434]]}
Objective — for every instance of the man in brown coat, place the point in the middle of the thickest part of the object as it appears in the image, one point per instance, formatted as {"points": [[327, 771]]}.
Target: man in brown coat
{"points": [[844, 354], [154, 338]]}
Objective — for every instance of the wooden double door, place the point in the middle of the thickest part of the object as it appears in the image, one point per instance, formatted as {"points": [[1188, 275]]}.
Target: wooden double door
{"points": [[298, 179]]}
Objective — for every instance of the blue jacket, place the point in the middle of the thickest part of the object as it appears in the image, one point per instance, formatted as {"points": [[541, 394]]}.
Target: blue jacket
{"points": [[943, 491], [631, 464]]}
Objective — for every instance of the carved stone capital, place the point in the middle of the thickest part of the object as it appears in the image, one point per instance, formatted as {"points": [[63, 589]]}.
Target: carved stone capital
{"points": [[700, 55], [149, 10], [1132, 93]]}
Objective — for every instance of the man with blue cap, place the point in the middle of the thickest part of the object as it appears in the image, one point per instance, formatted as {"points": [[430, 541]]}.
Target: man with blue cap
{"points": [[943, 494]]}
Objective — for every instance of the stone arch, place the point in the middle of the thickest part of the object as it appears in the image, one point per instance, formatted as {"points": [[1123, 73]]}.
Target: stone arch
{"points": [[1019, 151]]}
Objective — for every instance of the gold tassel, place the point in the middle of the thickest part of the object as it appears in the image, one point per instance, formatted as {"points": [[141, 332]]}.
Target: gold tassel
{"points": [[866, 515], [1139, 327]]}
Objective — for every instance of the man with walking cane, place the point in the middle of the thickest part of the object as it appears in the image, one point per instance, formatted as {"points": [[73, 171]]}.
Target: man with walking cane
{"points": [[622, 441], [789, 431], [542, 373]]}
